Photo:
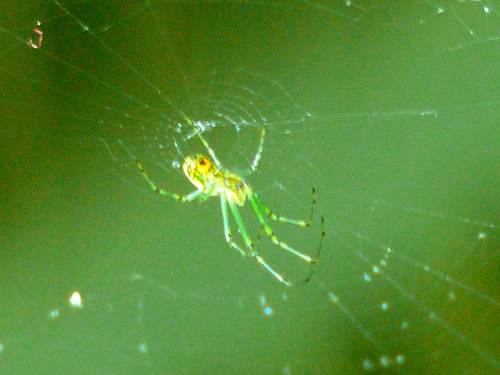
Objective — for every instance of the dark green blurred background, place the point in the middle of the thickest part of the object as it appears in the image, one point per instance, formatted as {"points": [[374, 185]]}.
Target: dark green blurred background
{"points": [[389, 111]]}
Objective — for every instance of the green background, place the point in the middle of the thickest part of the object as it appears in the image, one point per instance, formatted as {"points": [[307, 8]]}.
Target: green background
{"points": [[402, 146]]}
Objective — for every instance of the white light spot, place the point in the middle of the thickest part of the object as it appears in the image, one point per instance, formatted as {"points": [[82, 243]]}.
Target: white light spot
{"points": [[375, 269], [385, 361], [143, 348], [368, 365], [384, 306], [486, 9], [136, 276], [333, 297], [400, 359], [75, 300], [367, 277], [2, 347], [426, 268], [268, 311], [54, 314], [287, 371], [481, 236], [405, 325]]}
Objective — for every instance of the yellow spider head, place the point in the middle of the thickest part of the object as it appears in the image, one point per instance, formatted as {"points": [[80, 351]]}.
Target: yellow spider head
{"points": [[199, 170]]}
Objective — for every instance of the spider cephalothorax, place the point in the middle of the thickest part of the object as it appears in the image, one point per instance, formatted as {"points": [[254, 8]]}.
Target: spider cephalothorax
{"points": [[213, 181]]}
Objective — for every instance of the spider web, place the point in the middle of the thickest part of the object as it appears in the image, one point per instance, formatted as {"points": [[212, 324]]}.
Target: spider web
{"points": [[389, 110]]}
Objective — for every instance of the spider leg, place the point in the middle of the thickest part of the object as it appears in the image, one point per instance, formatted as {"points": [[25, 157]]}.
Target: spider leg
{"points": [[256, 202], [205, 143], [256, 159], [182, 198], [227, 227], [280, 278], [251, 250], [283, 219], [242, 229]]}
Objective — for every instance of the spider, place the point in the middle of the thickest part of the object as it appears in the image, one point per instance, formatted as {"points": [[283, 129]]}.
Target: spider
{"points": [[211, 179]]}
